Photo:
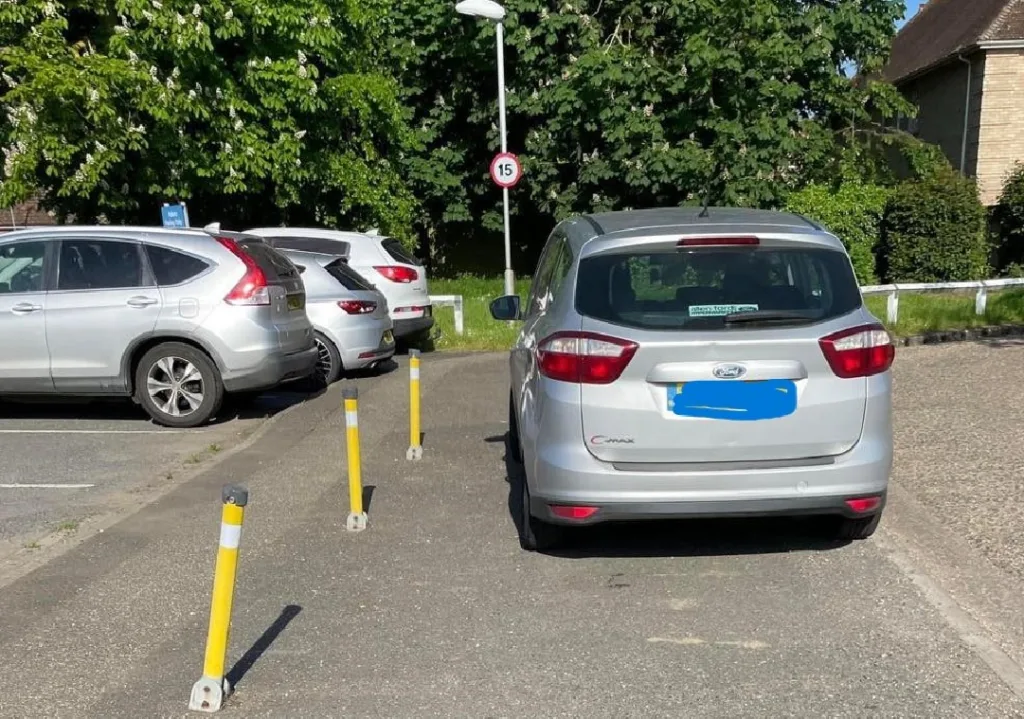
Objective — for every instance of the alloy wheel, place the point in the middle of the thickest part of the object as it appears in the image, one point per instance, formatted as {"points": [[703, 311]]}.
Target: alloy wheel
{"points": [[324, 362], [176, 386]]}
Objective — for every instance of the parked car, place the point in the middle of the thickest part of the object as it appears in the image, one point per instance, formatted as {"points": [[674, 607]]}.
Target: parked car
{"points": [[171, 318], [350, 317], [674, 363], [381, 260]]}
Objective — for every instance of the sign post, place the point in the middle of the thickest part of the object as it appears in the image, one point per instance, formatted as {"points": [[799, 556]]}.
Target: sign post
{"points": [[506, 171], [174, 215]]}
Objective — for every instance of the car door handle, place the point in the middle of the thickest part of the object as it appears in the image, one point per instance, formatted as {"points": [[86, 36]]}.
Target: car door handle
{"points": [[24, 308], [141, 301]]}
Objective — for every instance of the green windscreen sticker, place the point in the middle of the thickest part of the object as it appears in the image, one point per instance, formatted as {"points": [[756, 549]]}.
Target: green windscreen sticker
{"points": [[719, 310]]}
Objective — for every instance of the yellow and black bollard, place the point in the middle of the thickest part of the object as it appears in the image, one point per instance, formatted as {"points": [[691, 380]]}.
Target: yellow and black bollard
{"points": [[415, 450], [209, 692], [356, 516]]}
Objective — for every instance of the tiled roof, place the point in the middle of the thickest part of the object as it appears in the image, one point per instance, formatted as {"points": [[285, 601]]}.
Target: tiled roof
{"points": [[944, 28]]}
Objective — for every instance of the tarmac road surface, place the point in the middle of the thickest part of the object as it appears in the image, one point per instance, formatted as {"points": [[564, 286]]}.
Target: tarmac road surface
{"points": [[434, 611]]}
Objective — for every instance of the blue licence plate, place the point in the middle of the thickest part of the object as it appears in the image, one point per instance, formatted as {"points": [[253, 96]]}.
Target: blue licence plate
{"points": [[734, 401]]}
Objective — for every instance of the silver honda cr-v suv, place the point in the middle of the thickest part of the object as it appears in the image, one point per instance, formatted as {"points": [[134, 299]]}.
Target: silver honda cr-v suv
{"points": [[172, 318], [689, 363]]}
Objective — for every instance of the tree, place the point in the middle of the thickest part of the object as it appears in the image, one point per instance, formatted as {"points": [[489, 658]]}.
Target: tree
{"points": [[621, 103], [252, 111]]}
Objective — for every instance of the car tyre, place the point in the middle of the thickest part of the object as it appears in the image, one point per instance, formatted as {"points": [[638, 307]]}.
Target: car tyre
{"points": [[859, 528], [168, 380], [536, 535], [514, 446], [328, 362]]}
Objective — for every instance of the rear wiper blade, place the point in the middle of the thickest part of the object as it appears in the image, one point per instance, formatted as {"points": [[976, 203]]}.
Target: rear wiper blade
{"points": [[769, 316]]}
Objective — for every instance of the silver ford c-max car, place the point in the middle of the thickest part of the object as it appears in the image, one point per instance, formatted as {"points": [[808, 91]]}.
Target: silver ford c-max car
{"points": [[684, 363]]}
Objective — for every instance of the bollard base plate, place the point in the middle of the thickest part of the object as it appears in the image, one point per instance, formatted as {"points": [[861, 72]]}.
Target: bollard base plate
{"points": [[356, 522], [414, 453], [208, 695]]}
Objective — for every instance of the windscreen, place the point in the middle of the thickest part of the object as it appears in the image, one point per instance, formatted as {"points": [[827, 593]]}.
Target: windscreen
{"points": [[352, 280], [709, 287]]}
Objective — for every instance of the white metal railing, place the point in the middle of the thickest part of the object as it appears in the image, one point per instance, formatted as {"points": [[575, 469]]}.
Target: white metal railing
{"points": [[454, 301], [892, 307], [981, 288]]}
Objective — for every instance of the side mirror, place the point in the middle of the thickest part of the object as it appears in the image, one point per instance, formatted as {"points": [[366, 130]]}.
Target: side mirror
{"points": [[300, 268], [505, 308]]}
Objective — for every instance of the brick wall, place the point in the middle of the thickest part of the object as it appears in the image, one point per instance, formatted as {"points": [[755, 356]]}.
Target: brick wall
{"points": [[1001, 127], [27, 214]]}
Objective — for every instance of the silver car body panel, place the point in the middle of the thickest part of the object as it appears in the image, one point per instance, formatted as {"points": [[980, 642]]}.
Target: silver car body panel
{"points": [[361, 339], [93, 335], [618, 444], [366, 252]]}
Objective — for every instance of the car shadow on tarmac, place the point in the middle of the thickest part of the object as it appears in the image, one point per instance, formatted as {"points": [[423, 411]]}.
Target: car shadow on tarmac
{"points": [[244, 405], [678, 538]]}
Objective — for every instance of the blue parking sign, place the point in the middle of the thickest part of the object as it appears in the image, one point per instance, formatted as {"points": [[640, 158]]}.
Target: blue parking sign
{"points": [[174, 215]]}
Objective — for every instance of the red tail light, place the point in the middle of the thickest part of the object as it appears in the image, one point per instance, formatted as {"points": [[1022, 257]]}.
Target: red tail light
{"points": [[584, 357], [718, 241], [859, 352], [253, 288], [864, 504], [398, 273], [570, 512], [357, 307]]}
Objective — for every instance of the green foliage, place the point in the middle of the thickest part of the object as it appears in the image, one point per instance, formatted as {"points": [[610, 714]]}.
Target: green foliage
{"points": [[250, 110], [853, 212], [1008, 215], [934, 231], [884, 156], [621, 103]]}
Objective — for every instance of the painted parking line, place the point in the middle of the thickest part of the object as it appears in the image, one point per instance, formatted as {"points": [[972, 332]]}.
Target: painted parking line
{"points": [[46, 486], [99, 431]]}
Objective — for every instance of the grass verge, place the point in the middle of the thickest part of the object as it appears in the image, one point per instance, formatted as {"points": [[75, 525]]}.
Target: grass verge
{"points": [[918, 313]]}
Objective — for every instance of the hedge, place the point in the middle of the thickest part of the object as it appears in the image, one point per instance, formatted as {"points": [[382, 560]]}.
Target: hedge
{"points": [[853, 212], [933, 230]]}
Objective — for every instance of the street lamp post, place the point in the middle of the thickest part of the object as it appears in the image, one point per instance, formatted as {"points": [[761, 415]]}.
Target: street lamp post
{"points": [[490, 10]]}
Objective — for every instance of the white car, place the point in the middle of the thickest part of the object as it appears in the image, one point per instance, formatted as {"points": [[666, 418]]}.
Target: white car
{"points": [[382, 260]]}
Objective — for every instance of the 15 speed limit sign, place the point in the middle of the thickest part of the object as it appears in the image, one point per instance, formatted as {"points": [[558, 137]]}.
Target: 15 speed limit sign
{"points": [[506, 170]]}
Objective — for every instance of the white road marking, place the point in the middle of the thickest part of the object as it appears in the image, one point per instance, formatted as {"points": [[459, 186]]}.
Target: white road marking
{"points": [[98, 431], [753, 644], [46, 486]]}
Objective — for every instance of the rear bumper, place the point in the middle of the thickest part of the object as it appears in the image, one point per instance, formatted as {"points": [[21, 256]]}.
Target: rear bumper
{"points": [[272, 371], [693, 510], [404, 328], [359, 357], [577, 478], [360, 340]]}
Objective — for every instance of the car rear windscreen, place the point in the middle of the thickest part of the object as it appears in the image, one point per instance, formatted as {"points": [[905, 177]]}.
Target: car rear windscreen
{"points": [[400, 254], [701, 287], [272, 262], [352, 280]]}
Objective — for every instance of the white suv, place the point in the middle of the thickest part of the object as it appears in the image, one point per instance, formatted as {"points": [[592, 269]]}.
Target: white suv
{"points": [[382, 260]]}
